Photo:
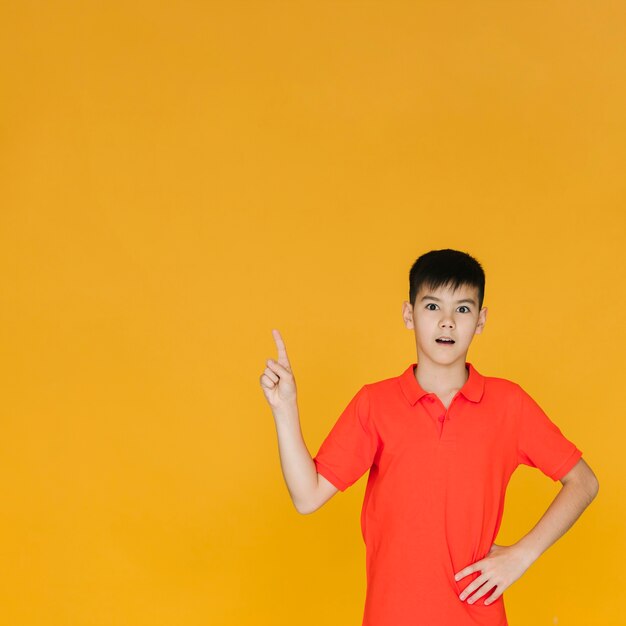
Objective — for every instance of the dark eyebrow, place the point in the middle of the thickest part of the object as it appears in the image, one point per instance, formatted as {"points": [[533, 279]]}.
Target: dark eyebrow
{"points": [[458, 301]]}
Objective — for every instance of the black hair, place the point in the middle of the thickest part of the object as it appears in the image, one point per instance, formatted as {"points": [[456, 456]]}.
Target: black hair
{"points": [[446, 267]]}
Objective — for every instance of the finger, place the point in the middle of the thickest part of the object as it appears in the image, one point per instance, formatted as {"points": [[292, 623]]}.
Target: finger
{"points": [[486, 588], [267, 382], [494, 596], [278, 368], [271, 375], [463, 573], [283, 359], [475, 584]]}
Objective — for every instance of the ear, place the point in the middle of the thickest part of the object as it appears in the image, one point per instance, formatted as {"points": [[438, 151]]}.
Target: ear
{"points": [[407, 314], [482, 319]]}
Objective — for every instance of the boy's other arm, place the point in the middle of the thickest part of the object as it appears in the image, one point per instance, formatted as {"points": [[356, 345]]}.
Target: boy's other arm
{"points": [[580, 487], [505, 564]]}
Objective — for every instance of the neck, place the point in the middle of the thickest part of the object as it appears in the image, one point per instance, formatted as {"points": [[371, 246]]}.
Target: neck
{"points": [[441, 379]]}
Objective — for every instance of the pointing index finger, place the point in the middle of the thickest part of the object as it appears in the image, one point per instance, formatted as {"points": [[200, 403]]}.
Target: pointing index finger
{"points": [[282, 351]]}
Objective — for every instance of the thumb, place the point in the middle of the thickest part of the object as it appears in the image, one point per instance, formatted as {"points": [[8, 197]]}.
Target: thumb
{"points": [[277, 368]]}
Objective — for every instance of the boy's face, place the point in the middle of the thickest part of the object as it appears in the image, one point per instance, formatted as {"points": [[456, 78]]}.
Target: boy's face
{"points": [[444, 313]]}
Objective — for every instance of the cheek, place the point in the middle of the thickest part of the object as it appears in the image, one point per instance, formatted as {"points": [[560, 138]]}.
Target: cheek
{"points": [[425, 337], [468, 332], [423, 329]]}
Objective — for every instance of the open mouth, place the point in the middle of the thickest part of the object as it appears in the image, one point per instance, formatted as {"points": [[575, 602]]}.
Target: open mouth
{"points": [[445, 341]]}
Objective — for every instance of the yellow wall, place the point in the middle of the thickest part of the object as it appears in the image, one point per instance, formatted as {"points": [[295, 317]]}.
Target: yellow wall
{"points": [[178, 178]]}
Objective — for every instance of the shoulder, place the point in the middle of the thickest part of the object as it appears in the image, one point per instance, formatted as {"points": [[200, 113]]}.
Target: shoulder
{"points": [[511, 394], [383, 387], [504, 393], [502, 386]]}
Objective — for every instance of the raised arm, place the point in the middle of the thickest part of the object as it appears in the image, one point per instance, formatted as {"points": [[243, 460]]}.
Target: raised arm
{"points": [[308, 490]]}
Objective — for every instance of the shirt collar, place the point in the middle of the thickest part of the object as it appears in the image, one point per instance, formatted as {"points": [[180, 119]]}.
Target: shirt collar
{"points": [[472, 389]]}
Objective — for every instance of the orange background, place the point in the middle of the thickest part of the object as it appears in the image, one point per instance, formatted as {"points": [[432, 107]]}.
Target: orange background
{"points": [[178, 178]]}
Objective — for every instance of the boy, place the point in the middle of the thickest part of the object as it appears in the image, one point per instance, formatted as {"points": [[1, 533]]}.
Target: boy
{"points": [[440, 442]]}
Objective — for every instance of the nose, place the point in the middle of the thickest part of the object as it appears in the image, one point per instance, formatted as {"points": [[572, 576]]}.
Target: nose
{"points": [[447, 321]]}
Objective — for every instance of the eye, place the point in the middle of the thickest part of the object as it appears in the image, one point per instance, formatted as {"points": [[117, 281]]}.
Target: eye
{"points": [[430, 304], [464, 307]]}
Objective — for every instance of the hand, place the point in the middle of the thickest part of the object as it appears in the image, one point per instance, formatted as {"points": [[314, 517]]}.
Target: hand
{"points": [[502, 566], [278, 382]]}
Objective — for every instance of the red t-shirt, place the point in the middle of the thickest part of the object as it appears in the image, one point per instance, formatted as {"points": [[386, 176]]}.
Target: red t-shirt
{"points": [[435, 492]]}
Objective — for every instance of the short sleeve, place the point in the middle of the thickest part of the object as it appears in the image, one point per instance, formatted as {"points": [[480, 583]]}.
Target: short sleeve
{"points": [[541, 443], [350, 447]]}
